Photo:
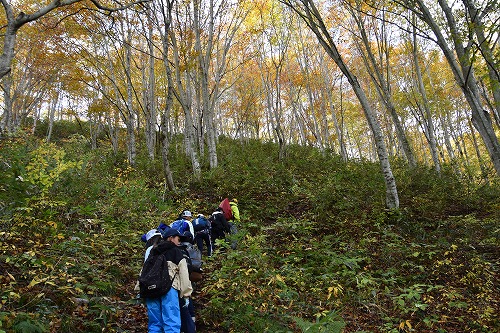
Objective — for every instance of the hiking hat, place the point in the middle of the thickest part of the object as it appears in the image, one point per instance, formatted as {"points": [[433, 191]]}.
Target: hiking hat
{"points": [[235, 200], [186, 213], [151, 233], [171, 233]]}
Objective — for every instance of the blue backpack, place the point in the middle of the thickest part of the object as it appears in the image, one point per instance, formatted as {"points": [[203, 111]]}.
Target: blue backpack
{"points": [[180, 225], [200, 223]]}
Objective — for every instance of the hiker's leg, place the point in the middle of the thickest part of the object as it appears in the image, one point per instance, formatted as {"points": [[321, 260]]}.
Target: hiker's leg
{"points": [[187, 320], [208, 242], [155, 322], [199, 241], [171, 312]]}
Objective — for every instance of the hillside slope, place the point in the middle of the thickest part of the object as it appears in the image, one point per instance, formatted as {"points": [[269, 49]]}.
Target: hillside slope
{"points": [[317, 250]]}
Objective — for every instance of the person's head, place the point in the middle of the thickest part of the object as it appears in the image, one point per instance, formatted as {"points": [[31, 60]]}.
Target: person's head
{"points": [[150, 234], [235, 200], [173, 235], [187, 215], [219, 209]]}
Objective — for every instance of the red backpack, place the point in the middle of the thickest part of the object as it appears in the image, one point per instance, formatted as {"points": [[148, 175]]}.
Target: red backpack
{"points": [[226, 209]]}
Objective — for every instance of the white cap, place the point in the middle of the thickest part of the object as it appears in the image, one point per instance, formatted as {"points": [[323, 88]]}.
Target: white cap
{"points": [[151, 233], [186, 213]]}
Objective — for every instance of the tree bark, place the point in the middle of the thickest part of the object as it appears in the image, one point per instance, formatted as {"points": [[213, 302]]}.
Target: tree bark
{"points": [[382, 84], [459, 60], [313, 19], [429, 123], [183, 94], [166, 15]]}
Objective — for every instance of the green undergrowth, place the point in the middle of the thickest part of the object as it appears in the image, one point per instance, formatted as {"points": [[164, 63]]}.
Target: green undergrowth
{"points": [[317, 250]]}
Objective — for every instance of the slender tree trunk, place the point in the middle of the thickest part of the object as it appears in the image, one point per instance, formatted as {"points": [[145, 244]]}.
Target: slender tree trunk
{"points": [[492, 63], [166, 14], [459, 61], [113, 132], [329, 101], [484, 172], [150, 96], [382, 84], [314, 20], [130, 124], [52, 111], [204, 57], [184, 96], [6, 124], [446, 136], [429, 124]]}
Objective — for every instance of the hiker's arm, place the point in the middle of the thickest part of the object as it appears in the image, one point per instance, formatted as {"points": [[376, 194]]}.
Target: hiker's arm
{"points": [[185, 287]]}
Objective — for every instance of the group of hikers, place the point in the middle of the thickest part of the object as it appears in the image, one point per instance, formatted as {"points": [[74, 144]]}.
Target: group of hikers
{"points": [[172, 265]]}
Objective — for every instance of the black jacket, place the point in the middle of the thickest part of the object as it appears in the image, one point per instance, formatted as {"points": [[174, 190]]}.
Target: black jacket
{"points": [[219, 225]]}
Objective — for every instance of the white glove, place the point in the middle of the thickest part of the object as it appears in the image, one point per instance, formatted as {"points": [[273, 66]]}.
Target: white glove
{"points": [[186, 302]]}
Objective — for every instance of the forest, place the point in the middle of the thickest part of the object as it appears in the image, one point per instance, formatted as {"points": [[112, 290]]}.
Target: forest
{"points": [[360, 136]]}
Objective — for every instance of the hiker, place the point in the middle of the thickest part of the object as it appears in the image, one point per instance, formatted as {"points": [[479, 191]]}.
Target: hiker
{"points": [[202, 231], [236, 212], [219, 224], [234, 222], [188, 318], [183, 223], [164, 312], [151, 237]]}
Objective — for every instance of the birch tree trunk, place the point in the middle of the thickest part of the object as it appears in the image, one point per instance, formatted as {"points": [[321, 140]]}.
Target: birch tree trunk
{"points": [[459, 60], [52, 111], [428, 122], [487, 51], [166, 15], [382, 84], [183, 95], [204, 57], [477, 151], [149, 93], [311, 15], [130, 121], [112, 121], [6, 123]]}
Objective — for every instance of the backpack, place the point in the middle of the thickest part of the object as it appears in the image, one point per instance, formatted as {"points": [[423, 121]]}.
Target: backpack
{"points": [[154, 280], [195, 256], [226, 209], [200, 223], [180, 225]]}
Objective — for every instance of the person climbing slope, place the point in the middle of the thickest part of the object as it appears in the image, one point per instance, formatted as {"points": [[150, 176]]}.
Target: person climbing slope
{"points": [[219, 224], [235, 210], [164, 312], [202, 235]]}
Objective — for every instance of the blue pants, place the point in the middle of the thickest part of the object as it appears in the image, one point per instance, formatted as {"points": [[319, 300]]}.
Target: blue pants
{"points": [[164, 314]]}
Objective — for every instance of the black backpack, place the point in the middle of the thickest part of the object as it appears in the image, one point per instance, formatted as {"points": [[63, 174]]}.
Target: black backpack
{"points": [[195, 256], [154, 280]]}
